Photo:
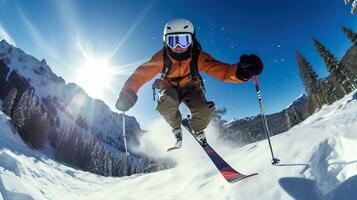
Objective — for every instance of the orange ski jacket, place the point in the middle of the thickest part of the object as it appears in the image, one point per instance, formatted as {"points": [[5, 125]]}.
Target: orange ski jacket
{"points": [[180, 70]]}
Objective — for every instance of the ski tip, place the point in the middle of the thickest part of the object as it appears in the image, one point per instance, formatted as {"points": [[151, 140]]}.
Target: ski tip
{"points": [[240, 177], [173, 148]]}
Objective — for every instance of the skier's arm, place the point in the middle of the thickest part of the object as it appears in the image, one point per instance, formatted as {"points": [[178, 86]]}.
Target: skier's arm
{"points": [[220, 70], [144, 73]]}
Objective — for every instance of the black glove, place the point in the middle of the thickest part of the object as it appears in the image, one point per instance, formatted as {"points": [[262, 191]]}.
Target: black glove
{"points": [[249, 66], [126, 100]]}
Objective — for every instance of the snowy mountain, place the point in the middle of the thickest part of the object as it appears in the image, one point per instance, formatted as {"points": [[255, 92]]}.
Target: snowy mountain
{"points": [[83, 132], [252, 127], [318, 161]]}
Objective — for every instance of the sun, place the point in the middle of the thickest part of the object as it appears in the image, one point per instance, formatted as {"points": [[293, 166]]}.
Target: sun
{"points": [[95, 76]]}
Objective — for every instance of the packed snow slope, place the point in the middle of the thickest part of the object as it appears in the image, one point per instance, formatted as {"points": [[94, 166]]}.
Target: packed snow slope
{"points": [[318, 161]]}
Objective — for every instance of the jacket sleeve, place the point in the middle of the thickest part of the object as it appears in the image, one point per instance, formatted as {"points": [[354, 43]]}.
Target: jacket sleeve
{"points": [[144, 73], [220, 70]]}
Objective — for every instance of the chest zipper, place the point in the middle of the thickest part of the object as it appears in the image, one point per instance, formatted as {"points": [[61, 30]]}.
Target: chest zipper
{"points": [[179, 74]]}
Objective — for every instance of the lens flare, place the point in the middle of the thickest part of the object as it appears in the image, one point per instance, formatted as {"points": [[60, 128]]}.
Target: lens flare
{"points": [[95, 76]]}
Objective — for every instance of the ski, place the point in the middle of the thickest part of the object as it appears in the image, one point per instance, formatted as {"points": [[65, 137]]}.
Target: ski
{"points": [[177, 146], [230, 174]]}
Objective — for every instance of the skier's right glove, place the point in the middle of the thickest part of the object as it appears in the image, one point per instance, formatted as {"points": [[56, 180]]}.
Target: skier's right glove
{"points": [[126, 100], [249, 66]]}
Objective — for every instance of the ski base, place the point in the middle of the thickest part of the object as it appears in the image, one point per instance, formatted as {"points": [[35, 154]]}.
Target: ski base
{"points": [[240, 177]]}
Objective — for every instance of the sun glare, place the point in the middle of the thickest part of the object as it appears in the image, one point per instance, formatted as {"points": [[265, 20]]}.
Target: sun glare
{"points": [[95, 77]]}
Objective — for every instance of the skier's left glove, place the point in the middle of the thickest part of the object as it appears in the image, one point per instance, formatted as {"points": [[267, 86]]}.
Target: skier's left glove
{"points": [[249, 66], [126, 100]]}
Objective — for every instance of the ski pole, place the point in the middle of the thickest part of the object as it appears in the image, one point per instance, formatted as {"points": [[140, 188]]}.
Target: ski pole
{"points": [[124, 135], [275, 160]]}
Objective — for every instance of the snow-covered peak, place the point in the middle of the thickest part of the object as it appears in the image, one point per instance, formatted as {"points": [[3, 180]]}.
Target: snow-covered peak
{"points": [[4, 43], [301, 99], [279, 122], [47, 84]]}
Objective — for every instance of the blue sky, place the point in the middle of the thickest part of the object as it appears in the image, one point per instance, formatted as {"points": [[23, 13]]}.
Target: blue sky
{"points": [[69, 33]]}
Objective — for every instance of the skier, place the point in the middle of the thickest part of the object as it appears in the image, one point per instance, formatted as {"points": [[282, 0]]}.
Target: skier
{"points": [[179, 62]]}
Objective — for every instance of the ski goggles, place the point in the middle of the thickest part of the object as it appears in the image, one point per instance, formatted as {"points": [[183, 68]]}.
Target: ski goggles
{"points": [[182, 40]]}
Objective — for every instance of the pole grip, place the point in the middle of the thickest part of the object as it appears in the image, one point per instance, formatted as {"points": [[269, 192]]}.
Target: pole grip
{"points": [[255, 78]]}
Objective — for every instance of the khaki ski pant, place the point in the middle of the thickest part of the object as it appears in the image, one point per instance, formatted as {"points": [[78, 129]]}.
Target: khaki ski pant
{"points": [[194, 98]]}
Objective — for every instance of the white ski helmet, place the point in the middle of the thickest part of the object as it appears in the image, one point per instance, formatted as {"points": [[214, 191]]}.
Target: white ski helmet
{"points": [[179, 25]]}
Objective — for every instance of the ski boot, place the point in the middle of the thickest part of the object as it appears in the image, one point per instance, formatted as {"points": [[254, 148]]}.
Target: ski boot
{"points": [[201, 137], [178, 135]]}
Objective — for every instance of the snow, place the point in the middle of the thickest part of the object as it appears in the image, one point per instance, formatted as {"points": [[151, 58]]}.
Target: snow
{"points": [[354, 5], [318, 161]]}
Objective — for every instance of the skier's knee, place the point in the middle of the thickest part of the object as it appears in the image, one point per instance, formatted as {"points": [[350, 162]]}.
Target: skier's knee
{"points": [[166, 103], [202, 117], [211, 105], [204, 111], [208, 110]]}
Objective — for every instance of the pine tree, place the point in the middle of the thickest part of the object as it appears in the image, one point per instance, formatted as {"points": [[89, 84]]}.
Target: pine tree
{"points": [[342, 78], [329, 91], [97, 156], [8, 102], [108, 163], [310, 80], [18, 118], [30, 104], [350, 34], [36, 128]]}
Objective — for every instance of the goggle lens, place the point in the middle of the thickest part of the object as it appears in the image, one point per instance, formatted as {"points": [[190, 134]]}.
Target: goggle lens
{"points": [[182, 40]]}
